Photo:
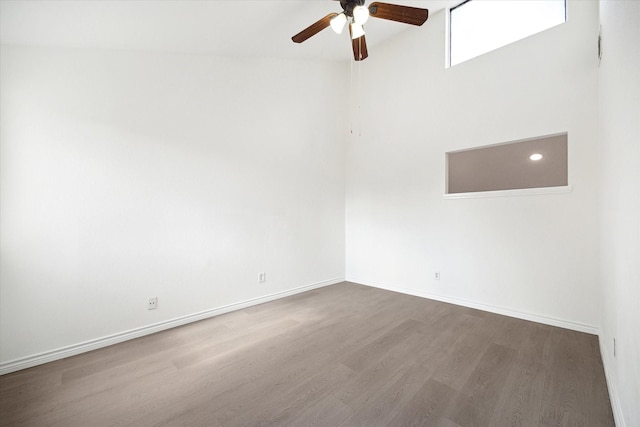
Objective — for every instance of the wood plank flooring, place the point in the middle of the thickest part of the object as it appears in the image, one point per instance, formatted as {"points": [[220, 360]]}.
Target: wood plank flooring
{"points": [[343, 355]]}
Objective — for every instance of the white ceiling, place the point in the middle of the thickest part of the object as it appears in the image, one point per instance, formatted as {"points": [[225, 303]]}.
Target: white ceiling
{"points": [[244, 28]]}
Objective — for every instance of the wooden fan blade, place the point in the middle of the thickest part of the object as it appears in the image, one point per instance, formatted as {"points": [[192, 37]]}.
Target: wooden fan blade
{"points": [[359, 46], [395, 12], [314, 28], [364, 53], [363, 48]]}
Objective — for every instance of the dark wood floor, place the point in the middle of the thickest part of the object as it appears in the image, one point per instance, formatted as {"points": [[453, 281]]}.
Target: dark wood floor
{"points": [[344, 355]]}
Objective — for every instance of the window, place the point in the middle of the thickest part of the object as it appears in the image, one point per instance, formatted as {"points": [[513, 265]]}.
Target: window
{"points": [[530, 164], [480, 26]]}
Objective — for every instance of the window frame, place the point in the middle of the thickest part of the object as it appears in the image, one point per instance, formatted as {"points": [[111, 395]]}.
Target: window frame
{"points": [[518, 191]]}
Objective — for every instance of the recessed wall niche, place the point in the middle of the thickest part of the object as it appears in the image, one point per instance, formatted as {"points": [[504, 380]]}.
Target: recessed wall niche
{"points": [[539, 162]]}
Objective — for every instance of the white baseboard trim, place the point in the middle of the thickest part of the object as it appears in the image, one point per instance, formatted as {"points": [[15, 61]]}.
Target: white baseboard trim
{"points": [[616, 406], [566, 324], [72, 350]]}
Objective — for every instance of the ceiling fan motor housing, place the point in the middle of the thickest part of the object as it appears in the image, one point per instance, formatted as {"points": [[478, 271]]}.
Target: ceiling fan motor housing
{"points": [[349, 5]]}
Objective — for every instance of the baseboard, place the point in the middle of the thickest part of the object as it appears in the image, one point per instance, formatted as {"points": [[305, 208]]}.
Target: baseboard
{"points": [[616, 406], [72, 350], [566, 324]]}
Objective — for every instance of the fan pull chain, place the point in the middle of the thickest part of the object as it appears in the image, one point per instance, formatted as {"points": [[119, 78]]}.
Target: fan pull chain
{"points": [[354, 89], [359, 94]]}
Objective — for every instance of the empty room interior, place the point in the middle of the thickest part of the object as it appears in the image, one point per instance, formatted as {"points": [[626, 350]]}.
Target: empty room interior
{"points": [[221, 213]]}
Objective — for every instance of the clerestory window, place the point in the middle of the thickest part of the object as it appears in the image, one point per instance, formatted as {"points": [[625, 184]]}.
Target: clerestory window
{"points": [[479, 26]]}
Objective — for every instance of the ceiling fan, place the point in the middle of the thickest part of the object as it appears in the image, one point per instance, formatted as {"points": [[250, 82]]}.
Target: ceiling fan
{"points": [[357, 13]]}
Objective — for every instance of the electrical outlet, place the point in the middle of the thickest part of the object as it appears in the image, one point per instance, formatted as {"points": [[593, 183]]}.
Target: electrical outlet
{"points": [[436, 275], [262, 277], [153, 303]]}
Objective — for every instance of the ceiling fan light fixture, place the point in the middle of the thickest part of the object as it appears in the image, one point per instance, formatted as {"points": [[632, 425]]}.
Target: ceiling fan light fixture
{"points": [[337, 23], [360, 14], [356, 30], [355, 13]]}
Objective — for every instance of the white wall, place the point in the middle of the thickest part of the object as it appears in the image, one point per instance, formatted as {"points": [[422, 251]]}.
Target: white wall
{"points": [[530, 256], [128, 175], [619, 120]]}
